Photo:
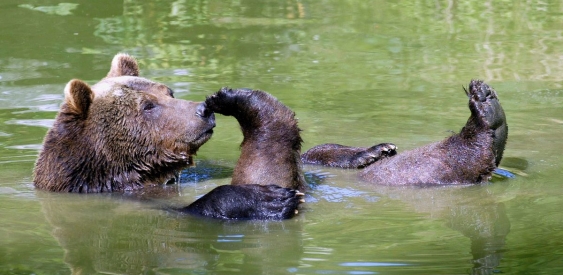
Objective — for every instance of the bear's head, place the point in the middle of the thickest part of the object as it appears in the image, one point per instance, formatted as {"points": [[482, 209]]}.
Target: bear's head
{"points": [[123, 133]]}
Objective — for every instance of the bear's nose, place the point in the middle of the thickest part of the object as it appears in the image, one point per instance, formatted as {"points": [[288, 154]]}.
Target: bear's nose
{"points": [[202, 111]]}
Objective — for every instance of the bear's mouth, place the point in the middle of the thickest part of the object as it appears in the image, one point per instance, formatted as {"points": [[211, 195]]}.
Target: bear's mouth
{"points": [[194, 146], [201, 139], [205, 136]]}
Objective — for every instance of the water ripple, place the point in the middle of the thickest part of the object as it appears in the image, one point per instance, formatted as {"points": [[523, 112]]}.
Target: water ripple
{"points": [[364, 264], [26, 147], [47, 123]]}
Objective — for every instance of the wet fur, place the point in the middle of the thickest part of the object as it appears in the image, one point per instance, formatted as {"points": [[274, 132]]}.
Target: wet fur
{"points": [[247, 202], [464, 158], [270, 150], [121, 134], [348, 156], [127, 133]]}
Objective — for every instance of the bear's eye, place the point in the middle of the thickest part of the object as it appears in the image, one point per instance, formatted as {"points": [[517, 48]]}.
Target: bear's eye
{"points": [[147, 106]]}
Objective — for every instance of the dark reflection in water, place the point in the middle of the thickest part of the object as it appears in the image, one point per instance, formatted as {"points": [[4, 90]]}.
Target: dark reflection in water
{"points": [[486, 226], [134, 233], [469, 210], [205, 170], [124, 237]]}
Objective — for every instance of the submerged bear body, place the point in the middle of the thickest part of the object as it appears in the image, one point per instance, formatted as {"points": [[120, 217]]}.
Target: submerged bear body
{"points": [[468, 157]]}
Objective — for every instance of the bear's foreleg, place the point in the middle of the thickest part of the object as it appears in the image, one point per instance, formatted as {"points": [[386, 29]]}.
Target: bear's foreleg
{"points": [[335, 155], [247, 202]]}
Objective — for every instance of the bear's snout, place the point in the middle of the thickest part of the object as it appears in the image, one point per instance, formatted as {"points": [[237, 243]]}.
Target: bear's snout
{"points": [[202, 110], [205, 113]]}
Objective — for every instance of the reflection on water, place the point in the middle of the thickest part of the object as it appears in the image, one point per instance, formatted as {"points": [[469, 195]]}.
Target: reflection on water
{"points": [[206, 170], [338, 194], [115, 241], [355, 72], [472, 211]]}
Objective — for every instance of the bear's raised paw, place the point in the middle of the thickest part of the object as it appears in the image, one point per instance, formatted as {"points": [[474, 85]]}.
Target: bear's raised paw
{"points": [[487, 114], [484, 104]]}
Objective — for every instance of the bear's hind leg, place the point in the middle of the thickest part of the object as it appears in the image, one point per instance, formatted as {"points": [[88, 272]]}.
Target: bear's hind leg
{"points": [[486, 112]]}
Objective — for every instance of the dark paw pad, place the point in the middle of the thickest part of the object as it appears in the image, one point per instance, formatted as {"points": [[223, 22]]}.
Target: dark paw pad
{"points": [[222, 102], [479, 91], [484, 104]]}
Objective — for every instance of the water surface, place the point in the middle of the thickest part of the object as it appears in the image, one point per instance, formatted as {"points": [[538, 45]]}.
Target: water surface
{"points": [[355, 72]]}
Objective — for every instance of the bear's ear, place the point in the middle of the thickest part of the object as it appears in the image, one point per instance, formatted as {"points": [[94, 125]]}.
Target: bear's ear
{"points": [[78, 97], [123, 64]]}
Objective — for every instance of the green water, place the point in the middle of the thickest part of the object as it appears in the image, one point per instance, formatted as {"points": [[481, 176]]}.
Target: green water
{"points": [[355, 72]]}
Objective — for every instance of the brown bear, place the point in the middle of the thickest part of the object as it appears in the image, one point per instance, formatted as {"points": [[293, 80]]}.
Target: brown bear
{"points": [[127, 133], [271, 148], [468, 157]]}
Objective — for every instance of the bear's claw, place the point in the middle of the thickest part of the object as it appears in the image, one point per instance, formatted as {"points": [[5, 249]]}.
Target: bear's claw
{"points": [[374, 154], [484, 104], [388, 148], [335, 155]]}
